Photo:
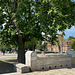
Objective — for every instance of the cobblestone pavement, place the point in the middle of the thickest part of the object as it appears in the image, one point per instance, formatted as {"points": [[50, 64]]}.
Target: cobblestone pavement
{"points": [[64, 71]]}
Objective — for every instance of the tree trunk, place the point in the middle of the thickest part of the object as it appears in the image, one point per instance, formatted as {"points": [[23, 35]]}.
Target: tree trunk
{"points": [[59, 49], [51, 48], [33, 48], [59, 46], [21, 55], [21, 50]]}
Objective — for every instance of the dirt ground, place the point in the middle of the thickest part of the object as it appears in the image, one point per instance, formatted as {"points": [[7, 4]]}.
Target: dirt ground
{"points": [[63, 71]]}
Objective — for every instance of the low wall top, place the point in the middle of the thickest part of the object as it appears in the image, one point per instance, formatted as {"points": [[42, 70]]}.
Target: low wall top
{"points": [[43, 61], [31, 54], [71, 52]]}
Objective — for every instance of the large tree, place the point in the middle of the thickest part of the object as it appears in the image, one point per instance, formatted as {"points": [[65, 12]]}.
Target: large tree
{"points": [[22, 20]]}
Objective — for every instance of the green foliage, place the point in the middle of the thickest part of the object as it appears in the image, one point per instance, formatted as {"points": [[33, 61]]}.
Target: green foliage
{"points": [[46, 52], [31, 44], [40, 46], [28, 18], [38, 52], [22, 20], [4, 48], [72, 39], [73, 43], [60, 41]]}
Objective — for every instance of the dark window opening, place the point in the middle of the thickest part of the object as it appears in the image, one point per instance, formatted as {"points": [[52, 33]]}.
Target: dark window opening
{"points": [[55, 66], [61, 65], [49, 67], [43, 68]]}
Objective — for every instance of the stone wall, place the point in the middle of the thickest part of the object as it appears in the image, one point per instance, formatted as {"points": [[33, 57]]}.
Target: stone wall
{"points": [[44, 62], [56, 61], [72, 53], [73, 61]]}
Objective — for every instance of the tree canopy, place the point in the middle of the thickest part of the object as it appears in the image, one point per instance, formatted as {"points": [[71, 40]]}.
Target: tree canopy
{"points": [[72, 39], [22, 20]]}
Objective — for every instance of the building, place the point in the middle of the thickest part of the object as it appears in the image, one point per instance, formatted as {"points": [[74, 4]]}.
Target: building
{"points": [[64, 45]]}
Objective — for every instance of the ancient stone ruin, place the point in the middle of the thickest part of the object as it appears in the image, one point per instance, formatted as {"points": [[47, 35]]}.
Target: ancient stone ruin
{"points": [[45, 62]]}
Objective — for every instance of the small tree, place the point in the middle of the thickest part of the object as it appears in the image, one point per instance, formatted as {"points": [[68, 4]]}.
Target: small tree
{"points": [[4, 48], [40, 45], [31, 44], [72, 39], [60, 41], [73, 43]]}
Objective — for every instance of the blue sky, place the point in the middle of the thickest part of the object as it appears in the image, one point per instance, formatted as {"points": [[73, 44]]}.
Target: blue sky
{"points": [[73, 0], [69, 32]]}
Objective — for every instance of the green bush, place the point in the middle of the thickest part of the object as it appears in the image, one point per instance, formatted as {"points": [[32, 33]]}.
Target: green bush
{"points": [[5, 48], [38, 51], [46, 52]]}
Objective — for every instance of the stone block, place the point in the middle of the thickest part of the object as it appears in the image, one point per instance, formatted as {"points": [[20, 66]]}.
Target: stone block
{"points": [[22, 68], [31, 59]]}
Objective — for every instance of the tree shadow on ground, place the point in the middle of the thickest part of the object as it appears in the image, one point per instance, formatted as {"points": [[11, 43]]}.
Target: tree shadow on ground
{"points": [[6, 67], [12, 61]]}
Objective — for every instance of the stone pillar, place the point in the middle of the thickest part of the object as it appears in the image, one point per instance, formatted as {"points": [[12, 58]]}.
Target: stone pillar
{"points": [[31, 59]]}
